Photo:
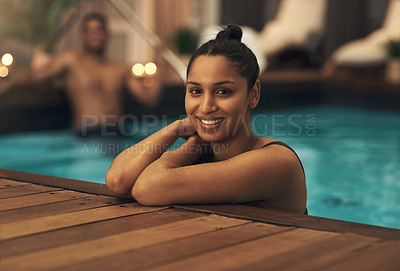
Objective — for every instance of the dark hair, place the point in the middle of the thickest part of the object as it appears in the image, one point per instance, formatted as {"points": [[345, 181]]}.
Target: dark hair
{"points": [[94, 16], [228, 43]]}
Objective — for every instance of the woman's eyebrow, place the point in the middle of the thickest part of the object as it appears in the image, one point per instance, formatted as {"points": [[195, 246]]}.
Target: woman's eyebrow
{"points": [[224, 82], [217, 83]]}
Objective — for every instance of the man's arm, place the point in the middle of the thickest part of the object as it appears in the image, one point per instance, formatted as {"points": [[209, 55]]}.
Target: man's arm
{"points": [[55, 68], [146, 90]]}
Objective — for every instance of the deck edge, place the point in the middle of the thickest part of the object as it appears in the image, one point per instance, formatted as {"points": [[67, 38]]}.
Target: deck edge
{"points": [[294, 220], [231, 210], [47, 180]]}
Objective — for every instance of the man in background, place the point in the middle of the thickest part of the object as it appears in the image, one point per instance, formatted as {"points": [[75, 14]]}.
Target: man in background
{"points": [[94, 85]]}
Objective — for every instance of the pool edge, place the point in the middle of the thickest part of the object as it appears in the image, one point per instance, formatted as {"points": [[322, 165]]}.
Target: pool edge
{"points": [[232, 210], [47, 180]]}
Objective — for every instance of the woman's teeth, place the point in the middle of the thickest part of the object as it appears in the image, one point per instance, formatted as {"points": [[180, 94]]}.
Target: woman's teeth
{"points": [[210, 122]]}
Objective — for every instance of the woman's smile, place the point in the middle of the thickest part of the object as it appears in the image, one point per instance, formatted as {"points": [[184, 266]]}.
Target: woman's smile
{"points": [[208, 123]]}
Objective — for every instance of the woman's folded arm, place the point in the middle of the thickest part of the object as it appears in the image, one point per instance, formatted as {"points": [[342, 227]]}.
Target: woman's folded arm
{"points": [[129, 164], [251, 176]]}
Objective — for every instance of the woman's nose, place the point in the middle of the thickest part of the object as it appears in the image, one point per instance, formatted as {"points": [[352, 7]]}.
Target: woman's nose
{"points": [[208, 105]]}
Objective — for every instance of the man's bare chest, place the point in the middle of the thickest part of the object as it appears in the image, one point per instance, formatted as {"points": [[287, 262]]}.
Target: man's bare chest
{"points": [[99, 77]]}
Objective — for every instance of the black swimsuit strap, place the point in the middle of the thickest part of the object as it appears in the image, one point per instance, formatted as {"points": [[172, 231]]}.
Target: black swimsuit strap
{"points": [[287, 146]]}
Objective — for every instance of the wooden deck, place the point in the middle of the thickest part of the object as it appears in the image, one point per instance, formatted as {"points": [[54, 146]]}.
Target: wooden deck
{"points": [[49, 223]]}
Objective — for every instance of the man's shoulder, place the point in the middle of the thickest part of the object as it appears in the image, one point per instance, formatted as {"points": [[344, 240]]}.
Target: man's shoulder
{"points": [[118, 65], [119, 68]]}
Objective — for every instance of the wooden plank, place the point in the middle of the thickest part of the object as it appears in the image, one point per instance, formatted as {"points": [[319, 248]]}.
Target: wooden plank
{"points": [[242, 255], [47, 223], [34, 200], [25, 190], [68, 236], [240, 211], [5, 183], [383, 256], [297, 220], [92, 201], [56, 258], [314, 255], [71, 184], [178, 249]]}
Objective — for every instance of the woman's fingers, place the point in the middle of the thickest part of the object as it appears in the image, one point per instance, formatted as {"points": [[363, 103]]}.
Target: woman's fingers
{"points": [[198, 144], [186, 128]]}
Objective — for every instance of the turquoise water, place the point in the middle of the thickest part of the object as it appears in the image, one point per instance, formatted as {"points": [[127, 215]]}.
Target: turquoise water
{"points": [[351, 157]]}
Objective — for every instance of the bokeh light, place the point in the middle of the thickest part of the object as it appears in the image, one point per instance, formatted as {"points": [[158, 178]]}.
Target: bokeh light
{"points": [[7, 59], [138, 69], [3, 71], [150, 68]]}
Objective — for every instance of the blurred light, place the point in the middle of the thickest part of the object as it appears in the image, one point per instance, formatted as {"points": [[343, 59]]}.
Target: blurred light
{"points": [[3, 71], [150, 68], [138, 69], [7, 59]]}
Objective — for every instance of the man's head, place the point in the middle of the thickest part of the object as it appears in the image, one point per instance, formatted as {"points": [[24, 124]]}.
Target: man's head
{"points": [[94, 33]]}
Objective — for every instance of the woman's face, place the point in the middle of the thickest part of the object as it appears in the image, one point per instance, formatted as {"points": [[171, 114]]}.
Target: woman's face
{"points": [[217, 100]]}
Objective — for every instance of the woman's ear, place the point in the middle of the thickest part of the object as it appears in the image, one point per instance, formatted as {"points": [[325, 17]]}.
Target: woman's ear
{"points": [[254, 96]]}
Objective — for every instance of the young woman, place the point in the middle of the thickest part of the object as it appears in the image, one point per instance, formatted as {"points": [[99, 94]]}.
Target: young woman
{"points": [[222, 161]]}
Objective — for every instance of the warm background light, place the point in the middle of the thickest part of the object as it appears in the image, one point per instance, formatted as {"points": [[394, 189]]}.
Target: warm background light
{"points": [[7, 59], [3, 71], [150, 68], [138, 69]]}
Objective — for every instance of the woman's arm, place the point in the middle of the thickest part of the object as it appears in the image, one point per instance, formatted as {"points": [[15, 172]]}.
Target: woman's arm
{"points": [[273, 174], [185, 155], [129, 164]]}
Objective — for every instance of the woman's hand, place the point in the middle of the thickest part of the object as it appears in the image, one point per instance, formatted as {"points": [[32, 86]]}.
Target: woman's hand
{"points": [[129, 164], [186, 128], [196, 143]]}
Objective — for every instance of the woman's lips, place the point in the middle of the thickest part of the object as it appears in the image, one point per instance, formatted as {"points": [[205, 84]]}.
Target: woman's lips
{"points": [[210, 123]]}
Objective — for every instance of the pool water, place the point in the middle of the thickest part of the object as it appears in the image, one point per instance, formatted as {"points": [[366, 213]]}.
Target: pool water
{"points": [[351, 157]]}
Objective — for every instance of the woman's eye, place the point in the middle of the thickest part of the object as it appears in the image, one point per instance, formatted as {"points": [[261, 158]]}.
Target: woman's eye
{"points": [[195, 91], [223, 92]]}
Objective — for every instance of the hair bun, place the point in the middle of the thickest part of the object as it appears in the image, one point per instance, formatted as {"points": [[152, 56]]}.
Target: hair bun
{"points": [[232, 32]]}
